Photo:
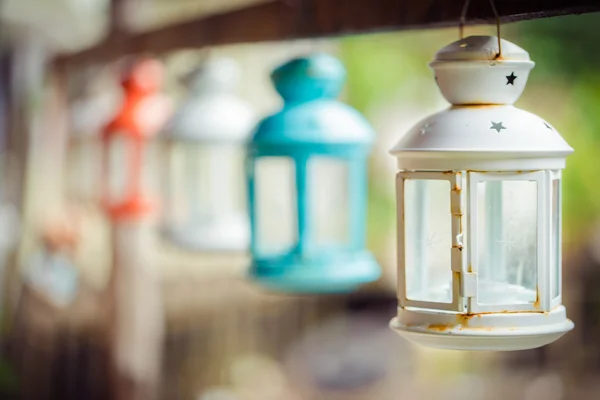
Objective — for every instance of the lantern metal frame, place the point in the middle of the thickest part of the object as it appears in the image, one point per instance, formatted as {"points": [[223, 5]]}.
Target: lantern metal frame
{"points": [[459, 146]]}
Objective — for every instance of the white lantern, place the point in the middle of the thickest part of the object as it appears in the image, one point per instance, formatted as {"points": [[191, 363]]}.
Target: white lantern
{"points": [[479, 209], [83, 159], [207, 208]]}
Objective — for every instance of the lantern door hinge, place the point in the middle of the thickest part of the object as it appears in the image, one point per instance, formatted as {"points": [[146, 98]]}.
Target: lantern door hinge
{"points": [[468, 284]]}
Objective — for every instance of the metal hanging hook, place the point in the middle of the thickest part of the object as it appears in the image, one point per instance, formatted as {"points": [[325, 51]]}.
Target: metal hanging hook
{"points": [[463, 17]]}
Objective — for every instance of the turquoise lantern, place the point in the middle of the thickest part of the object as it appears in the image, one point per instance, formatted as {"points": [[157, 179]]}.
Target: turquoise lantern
{"points": [[307, 185]]}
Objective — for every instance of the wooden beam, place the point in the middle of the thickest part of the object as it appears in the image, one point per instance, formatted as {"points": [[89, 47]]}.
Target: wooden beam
{"points": [[290, 19], [117, 18]]}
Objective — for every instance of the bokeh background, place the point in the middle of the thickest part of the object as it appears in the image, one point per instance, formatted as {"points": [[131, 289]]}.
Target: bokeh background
{"points": [[226, 339]]}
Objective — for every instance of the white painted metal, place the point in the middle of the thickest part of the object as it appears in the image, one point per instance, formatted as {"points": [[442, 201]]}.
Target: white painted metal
{"points": [[492, 331], [556, 256], [213, 120], [482, 137], [470, 72], [213, 113], [484, 131]]}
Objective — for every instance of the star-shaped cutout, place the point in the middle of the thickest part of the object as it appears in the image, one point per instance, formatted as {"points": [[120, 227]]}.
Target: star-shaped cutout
{"points": [[430, 241], [508, 244], [510, 79], [425, 128], [548, 126], [497, 126]]}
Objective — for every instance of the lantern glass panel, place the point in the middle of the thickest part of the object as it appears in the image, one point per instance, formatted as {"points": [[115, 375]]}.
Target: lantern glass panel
{"points": [[120, 150], [175, 175], [206, 182], [507, 223], [555, 238], [150, 164], [428, 240], [328, 181], [275, 202], [83, 172]]}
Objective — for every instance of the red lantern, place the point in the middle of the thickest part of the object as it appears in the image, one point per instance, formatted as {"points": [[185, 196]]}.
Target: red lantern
{"points": [[129, 154]]}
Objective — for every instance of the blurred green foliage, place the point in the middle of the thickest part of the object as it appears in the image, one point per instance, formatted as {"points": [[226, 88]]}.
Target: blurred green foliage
{"points": [[565, 51], [8, 379], [378, 67]]}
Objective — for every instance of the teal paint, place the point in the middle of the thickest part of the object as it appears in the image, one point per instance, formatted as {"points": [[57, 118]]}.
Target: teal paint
{"points": [[313, 123]]}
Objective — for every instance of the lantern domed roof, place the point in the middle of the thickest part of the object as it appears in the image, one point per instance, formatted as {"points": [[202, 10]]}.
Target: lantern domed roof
{"points": [[479, 134], [481, 48], [482, 130], [319, 121], [213, 113], [311, 114]]}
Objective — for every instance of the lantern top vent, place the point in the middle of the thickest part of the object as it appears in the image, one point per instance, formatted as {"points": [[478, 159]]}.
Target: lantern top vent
{"points": [[311, 115], [482, 130], [307, 78], [144, 110], [214, 74], [473, 71], [144, 75], [213, 112], [481, 48]]}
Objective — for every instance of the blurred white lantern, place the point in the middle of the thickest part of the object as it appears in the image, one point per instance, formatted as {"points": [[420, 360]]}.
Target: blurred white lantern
{"points": [[206, 208], [89, 115], [479, 209]]}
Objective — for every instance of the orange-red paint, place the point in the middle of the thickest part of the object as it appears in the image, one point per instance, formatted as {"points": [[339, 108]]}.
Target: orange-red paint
{"points": [[142, 114]]}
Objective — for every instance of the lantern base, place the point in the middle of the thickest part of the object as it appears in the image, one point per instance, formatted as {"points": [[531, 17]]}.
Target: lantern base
{"points": [[229, 236], [487, 332], [338, 273]]}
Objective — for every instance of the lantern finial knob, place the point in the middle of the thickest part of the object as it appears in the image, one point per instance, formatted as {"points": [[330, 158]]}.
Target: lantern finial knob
{"points": [[144, 75], [309, 78], [214, 75], [471, 71]]}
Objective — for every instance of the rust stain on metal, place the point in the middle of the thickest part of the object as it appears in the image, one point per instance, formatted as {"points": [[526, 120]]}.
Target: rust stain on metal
{"points": [[476, 104], [439, 327], [463, 319], [457, 246], [536, 304], [456, 276]]}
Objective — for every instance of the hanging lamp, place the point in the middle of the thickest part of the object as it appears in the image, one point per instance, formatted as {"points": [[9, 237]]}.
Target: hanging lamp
{"points": [[206, 210], [479, 210], [307, 182], [130, 157], [89, 114]]}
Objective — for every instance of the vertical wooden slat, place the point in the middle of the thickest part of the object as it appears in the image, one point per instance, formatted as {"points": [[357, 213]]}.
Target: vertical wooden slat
{"points": [[136, 327]]}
